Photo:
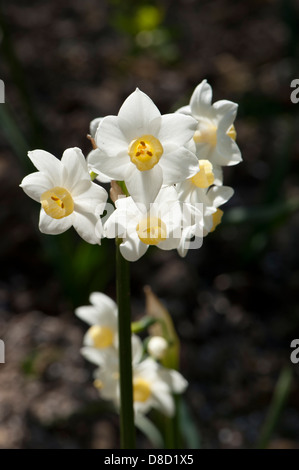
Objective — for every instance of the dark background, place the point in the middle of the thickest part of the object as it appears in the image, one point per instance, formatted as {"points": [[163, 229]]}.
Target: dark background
{"points": [[234, 301]]}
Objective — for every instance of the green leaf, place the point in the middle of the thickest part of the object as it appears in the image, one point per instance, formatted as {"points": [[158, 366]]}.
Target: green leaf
{"points": [[277, 405], [142, 324], [187, 426]]}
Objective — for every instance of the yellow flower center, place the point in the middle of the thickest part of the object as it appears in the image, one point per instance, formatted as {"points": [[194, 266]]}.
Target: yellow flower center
{"points": [[98, 383], [141, 390], [206, 134], [145, 152], [232, 132], [205, 177], [102, 336], [151, 230], [217, 216], [57, 202]]}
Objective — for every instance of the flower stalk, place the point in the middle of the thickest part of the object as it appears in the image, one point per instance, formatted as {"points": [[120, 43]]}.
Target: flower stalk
{"points": [[127, 427]]}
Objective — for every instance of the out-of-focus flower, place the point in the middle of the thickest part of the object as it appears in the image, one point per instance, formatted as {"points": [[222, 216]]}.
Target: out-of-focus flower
{"points": [[101, 315], [153, 385], [67, 195], [107, 374], [143, 148], [215, 134]]}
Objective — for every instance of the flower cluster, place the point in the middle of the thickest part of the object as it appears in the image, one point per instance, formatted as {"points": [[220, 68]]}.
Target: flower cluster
{"points": [[169, 166], [153, 384]]}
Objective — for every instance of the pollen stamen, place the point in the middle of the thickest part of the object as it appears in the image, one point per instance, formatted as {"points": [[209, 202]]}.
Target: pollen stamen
{"points": [[57, 202], [145, 152]]}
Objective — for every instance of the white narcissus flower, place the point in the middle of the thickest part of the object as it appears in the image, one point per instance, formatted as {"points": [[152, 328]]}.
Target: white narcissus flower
{"points": [[107, 375], [210, 199], [215, 134], [153, 385], [139, 228], [144, 148], [101, 315], [216, 197], [200, 191], [67, 195]]}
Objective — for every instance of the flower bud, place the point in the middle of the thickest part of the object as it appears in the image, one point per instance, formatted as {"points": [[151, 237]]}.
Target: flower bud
{"points": [[157, 347]]}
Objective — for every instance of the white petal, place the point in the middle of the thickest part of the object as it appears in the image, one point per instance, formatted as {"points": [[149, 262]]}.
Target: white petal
{"points": [[85, 225], [92, 200], [176, 128], [87, 340], [48, 164], [94, 355], [225, 113], [132, 248], [178, 164], [102, 301], [174, 380], [116, 225], [113, 167], [52, 226], [35, 184], [168, 194], [218, 175], [90, 158], [97, 316], [147, 369], [93, 126], [144, 186], [88, 314], [74, 162], [109, 137], [184, 110], [200, 101], [141, 408], [138, 116], [165, 403], [220, 195], [204, 151], [227, 151]]}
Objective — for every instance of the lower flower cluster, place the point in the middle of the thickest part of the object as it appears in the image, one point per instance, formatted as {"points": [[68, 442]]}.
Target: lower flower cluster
{"points": [[153, 384]]}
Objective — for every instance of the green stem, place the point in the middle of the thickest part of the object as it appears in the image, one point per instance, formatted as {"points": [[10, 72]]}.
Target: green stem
{"points": [[127, 427]]}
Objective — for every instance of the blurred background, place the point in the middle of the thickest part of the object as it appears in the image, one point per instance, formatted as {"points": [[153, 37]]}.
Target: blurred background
{"points": [[235, 301]]}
